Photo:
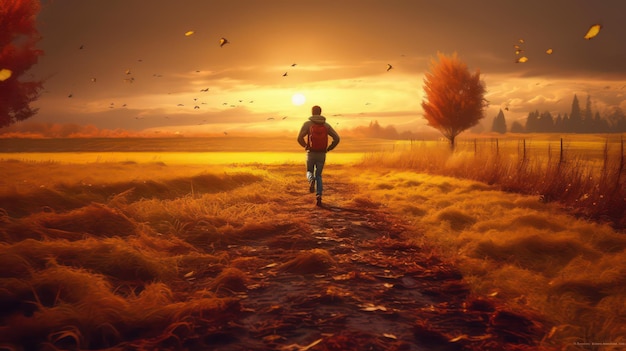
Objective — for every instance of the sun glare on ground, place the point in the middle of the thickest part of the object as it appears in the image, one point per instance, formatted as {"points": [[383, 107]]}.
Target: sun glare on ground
{"points": [[298, 99]]}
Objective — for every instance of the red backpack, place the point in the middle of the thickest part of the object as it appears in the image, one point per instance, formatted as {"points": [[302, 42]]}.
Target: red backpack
{"points": [[318, 137]]}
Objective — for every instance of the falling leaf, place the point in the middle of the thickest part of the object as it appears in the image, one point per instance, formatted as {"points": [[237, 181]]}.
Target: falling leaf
{"points": [[189, 274], [521, 41], [223, 41], [549, 51], [371, 308], [5, 74], [296, 347], [189, 33], [346, 276], [522, 59], [593, 31], [551, 333], [390, 336], [493, 294], [271, 265], [459, 338]]}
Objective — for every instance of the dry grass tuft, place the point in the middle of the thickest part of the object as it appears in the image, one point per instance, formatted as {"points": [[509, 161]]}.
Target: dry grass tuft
{"points": [[310, 262], [230, 279], [457, 219], [112, 257], [538, 253], [95, 219]]}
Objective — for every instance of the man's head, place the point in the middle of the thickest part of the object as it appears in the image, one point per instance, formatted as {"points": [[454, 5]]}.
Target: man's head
{"points": [[316, 110]]}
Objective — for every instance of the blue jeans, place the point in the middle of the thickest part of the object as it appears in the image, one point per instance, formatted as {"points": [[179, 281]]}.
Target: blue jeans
{"points": [[314, 167]]}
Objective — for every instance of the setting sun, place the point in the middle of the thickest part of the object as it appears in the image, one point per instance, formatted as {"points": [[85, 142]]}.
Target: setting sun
{"points": [[298, 99]]}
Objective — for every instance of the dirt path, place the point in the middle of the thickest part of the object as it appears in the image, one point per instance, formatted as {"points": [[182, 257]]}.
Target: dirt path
{"points": [[351, 281]]}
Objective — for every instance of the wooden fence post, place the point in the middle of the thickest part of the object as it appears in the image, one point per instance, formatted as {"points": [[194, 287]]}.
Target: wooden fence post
{"points": [[561, 153]]}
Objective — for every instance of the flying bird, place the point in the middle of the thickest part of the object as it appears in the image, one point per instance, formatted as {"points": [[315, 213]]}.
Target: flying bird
{"points": [[293, 65], [285, 74], [71, 95], [224, 41], [389, 67], [593, 31], [204, 90], [522, 59]]}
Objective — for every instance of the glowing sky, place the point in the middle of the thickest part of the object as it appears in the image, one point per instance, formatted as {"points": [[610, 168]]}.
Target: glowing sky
{"points": [[341, 51]]}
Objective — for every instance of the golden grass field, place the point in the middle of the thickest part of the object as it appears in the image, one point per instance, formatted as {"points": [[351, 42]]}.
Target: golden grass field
{"points": [[202, 246]]}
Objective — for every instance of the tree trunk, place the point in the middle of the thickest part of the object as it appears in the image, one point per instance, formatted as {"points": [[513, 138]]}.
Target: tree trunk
{"points": [[452, 142]]}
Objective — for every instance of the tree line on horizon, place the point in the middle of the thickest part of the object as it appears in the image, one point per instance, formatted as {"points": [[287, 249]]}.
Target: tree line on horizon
{"points": [[577, 121]]}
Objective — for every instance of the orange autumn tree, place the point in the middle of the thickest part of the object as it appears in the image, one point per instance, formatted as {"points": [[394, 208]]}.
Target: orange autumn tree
{"points": [[18, 36], [454, 98]]}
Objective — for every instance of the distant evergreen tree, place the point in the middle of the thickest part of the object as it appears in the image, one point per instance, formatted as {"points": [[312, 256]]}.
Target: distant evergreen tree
{"points": [[532, 122], [517, 127], [499, 123], [601, 125], [545, 123], [617, 120], [587, 117], [574, 124], [558, 123], [565, 123]]}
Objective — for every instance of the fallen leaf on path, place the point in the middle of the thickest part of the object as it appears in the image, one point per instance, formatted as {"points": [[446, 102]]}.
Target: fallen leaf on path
{"points": [[296, 347], [371, 307], [459, 338]]}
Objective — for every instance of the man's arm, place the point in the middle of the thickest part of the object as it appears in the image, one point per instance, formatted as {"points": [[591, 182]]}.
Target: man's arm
{"points": [[333, 134], [301, 136]]}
